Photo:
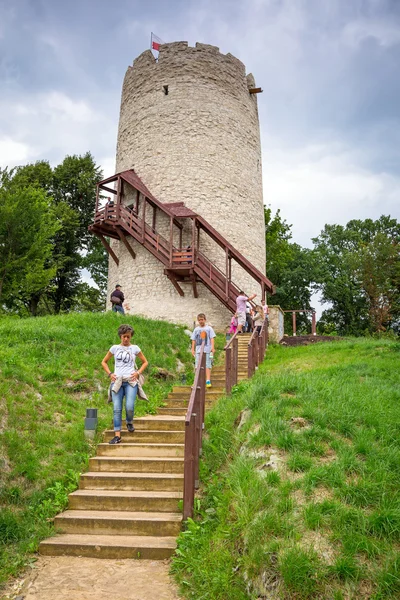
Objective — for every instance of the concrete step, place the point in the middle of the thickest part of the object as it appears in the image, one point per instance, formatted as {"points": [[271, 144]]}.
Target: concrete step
{"points": [[104, 546], [185, 388], [159, 423], [118, 523], [97, 480], [137, 450], [182, 402], [210, 395], [130, 464], [152, 436], [172, 411], [135, 500]]}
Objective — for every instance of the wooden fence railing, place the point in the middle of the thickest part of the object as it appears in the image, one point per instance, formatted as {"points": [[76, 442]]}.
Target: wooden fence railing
{"points": [[256, 348], [231, 363], [194, 421]]}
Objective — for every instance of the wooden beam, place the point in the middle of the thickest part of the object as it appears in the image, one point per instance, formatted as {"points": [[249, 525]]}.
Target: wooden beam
{"points": [[137, 201], [118, 198], [97, 199], [175, 283], [154, 217], [107, 189], [227, 278], [255, 90], [193, 236], [109, 179], [126, 244], [171, 240], [194, 285], [108, 248], [144, 219]]}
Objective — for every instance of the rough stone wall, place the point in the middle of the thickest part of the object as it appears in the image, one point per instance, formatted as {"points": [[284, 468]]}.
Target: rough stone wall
{"points": [[199, 144], [276, 323]]}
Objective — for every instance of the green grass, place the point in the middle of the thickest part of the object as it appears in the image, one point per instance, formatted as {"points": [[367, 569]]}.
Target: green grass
{"points": [[50, 373], [326, 523]]}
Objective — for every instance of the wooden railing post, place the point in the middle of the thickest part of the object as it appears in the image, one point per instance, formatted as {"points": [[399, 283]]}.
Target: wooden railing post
{"points": [[188, 476], [250, 358], [261, 344], [235, 366], [313, 324], [118, 211], [144, 220], [228, 375], [193, 436], [171, 240]]}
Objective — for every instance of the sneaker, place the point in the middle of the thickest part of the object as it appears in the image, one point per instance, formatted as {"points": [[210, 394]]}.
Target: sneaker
{"points": [[130, 427], [208, 384], [116, 440]]}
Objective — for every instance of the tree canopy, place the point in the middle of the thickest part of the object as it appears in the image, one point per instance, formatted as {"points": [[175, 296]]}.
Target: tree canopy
{"points": [[44, 238]]}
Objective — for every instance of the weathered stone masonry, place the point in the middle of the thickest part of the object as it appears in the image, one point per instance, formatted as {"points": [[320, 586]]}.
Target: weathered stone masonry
{"points": [[198, 143]]}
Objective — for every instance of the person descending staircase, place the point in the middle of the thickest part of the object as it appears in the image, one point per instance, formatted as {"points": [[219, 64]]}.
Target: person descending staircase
{"points": [[129, 505]]}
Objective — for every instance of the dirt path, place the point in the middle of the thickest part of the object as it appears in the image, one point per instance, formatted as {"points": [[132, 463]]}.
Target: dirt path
{"points": [[69, 578]]}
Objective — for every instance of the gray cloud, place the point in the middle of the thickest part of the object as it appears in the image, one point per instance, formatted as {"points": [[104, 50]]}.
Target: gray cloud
{"points": [[329, 113]]}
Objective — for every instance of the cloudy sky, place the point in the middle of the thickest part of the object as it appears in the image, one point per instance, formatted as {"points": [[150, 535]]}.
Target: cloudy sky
{"points": [[330, 71]]}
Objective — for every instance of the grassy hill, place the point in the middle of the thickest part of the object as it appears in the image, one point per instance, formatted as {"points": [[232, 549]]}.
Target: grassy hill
{"points": [[301, 469], [50, 373]]}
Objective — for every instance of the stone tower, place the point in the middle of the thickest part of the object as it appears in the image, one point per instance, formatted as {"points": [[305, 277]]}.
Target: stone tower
{"points": [[189, 128]]}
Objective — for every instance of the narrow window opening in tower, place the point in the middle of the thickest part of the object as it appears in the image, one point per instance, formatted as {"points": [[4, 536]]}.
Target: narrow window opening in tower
{"points": [[165, 88]]}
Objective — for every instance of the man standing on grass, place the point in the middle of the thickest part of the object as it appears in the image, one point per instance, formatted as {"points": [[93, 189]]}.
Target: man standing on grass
{"points": [[241, 309], [117, 299]]}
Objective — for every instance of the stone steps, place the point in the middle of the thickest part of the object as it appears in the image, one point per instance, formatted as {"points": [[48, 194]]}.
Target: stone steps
{"points": [[119, 500], [165, 410], [159, 423], [98, 480], [146, 449], [129, 504], [152, 436], [111, 547], [98, 522], [143, 464]]}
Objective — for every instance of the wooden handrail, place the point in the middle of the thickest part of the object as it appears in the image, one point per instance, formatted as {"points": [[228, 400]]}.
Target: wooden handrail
{"points": [[194, 421], [231, 340]]}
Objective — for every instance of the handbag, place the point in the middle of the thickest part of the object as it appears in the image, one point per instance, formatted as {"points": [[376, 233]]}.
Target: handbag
{"points": [[115, 300]]}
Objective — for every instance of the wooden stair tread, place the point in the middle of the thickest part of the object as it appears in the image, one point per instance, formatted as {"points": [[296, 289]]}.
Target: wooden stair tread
{"points": [[119, 515], [127, 494], [160, 445], [157, 418], [130, 541], [112, 474], [170, 459]]}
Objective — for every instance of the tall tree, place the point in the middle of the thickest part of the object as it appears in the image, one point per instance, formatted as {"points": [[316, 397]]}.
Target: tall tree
{"points": [[74, 184], [358, 273], [28, 225], [289, 266]]}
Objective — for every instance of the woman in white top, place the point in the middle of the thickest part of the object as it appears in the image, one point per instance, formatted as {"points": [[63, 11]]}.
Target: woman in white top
{"points": [[126, 372]]}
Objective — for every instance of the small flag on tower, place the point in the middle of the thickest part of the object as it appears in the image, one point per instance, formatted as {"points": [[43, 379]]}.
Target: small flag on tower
{"points": [[155, 42]]}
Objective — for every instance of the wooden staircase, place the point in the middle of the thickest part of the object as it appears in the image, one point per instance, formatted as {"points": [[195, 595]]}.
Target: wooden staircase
{"points": [[182, 263], [128, 504]]}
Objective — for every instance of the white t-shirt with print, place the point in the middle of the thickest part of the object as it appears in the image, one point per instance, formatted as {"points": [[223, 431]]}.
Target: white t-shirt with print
{"points": [[124, 357]]}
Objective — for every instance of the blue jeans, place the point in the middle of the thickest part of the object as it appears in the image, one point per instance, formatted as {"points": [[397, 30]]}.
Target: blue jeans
{"points": [[118, 308], [130, 394]]}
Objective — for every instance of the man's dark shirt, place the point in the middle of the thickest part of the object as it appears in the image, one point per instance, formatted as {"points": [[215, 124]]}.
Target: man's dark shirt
{"points": [[119, 295]]}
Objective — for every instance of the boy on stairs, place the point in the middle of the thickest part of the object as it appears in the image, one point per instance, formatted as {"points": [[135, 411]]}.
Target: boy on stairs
{"points": [[200, 333]]}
